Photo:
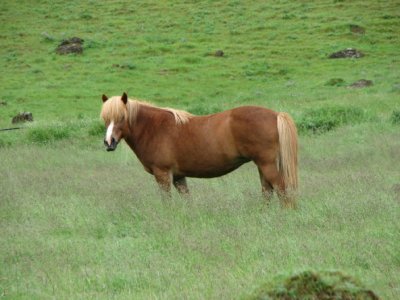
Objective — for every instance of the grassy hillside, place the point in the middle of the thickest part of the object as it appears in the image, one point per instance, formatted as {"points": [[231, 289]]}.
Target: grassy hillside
{"points": [[79, 223], [275, 55]]}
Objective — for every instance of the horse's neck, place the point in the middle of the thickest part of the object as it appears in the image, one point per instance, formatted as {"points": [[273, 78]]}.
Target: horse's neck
{"points": [[143, 126]]}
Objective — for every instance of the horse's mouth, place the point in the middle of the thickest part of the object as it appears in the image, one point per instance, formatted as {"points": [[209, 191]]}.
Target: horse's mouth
{"points": [[112, 146]]}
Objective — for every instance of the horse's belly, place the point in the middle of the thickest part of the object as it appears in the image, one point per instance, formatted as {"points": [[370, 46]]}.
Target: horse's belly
{"points": [[209, 169]]}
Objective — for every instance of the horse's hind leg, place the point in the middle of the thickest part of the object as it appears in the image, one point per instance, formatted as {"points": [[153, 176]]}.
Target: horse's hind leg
{"points": [[181, 185], [272, 180], [266, 187]]}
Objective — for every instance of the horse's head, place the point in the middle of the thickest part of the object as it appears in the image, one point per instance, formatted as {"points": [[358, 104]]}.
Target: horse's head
{"points": [[115, 115]]}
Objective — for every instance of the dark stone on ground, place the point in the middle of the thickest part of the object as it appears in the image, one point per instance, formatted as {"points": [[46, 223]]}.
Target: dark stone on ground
{"points": [[361, 84], [347, 53], [219, 53], [22, 117], [72, 45]]}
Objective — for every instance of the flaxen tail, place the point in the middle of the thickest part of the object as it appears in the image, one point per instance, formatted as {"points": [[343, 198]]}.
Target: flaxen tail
{"points": [[287, 162]]}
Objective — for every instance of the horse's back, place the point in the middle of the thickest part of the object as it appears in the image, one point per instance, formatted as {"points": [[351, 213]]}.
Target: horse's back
{"points": [[230, 130], [254, 115]]}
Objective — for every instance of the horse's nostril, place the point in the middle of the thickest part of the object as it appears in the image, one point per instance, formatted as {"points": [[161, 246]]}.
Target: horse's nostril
{"points": [[105, 143]]}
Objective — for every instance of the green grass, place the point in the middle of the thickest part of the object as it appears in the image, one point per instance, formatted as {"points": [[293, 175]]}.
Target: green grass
{"points": [[83, 223], [275, 55], [79, 223]]}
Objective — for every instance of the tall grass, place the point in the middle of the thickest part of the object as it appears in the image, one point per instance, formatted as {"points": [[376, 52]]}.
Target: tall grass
{"points": [[395, 117], [49, 133], [92, 224], [328, 118]]}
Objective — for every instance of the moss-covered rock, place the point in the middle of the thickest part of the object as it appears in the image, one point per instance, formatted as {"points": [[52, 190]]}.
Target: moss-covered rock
{"points": [[315, 285]]}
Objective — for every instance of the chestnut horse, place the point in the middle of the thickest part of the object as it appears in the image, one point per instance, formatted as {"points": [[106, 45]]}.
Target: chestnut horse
{"points": [[173, 144]]}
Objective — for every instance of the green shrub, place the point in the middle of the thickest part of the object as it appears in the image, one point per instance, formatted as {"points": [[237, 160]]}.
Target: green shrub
{"points": [[96, 129], [395, 118], [327, 118], [44, 135]]}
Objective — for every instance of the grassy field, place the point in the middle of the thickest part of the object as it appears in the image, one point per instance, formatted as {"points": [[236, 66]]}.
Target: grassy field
{"points": [[79, 223]]}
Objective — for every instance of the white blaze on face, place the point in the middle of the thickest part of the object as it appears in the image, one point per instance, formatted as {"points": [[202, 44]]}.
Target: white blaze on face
{"points": [[109, 133]]}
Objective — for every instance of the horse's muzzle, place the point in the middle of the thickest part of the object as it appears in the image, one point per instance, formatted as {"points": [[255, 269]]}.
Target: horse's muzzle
{"points": [[112, 146]]}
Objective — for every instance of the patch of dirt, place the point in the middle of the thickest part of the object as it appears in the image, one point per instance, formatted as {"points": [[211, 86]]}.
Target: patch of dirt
{"points": [[72, 45], [347, 53], [357, 29], [312, 285], [22, 117], [361, 84]]}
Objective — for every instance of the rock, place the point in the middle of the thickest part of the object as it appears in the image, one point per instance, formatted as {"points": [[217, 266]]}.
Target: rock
{"points": [[361, 84], [347, 53], [72, 45], [22, 117], [219, 53]]}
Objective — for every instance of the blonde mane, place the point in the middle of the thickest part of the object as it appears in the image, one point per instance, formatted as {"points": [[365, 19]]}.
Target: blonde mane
{"points": [[115, 110]]}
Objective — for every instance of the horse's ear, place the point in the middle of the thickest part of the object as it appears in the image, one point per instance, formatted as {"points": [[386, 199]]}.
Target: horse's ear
{"points": [[104, 98], [124, 98]]}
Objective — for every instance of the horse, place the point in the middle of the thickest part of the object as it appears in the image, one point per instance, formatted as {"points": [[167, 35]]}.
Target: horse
{"points": [[173, 144]]}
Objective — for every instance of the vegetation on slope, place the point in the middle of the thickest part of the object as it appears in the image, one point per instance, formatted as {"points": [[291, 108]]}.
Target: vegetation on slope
{"points": [[76, 222]]}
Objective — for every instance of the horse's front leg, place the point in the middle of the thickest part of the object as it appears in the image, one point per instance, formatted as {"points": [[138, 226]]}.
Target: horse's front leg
{"points": [[181, 185], [164, 178]]}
